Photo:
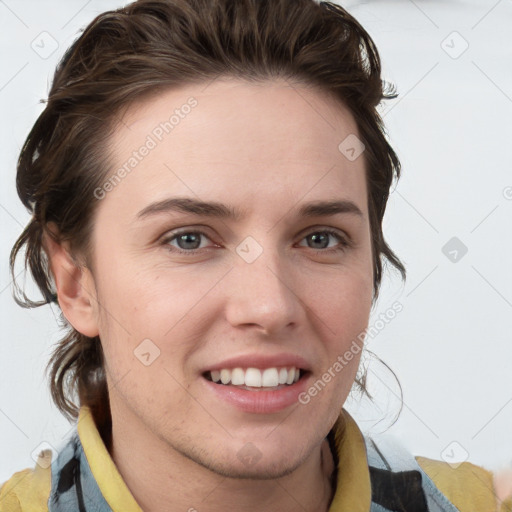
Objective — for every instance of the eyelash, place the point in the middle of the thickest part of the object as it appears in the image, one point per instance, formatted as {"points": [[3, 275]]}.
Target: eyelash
{"points": [[344, 243]]}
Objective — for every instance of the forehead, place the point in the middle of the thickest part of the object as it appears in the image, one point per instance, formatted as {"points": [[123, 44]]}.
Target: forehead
{"points": [[231, 138]]}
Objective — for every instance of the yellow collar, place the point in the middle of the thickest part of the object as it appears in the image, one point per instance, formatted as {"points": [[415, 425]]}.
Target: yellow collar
{"points": [[103, 469], [353, 491]]}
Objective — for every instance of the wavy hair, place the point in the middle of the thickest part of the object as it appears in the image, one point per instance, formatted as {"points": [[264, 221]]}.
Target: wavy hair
{"points": [[132, 53]]}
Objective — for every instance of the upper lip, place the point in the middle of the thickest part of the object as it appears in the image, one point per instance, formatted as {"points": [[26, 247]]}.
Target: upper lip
{"points": [[261, 361]]}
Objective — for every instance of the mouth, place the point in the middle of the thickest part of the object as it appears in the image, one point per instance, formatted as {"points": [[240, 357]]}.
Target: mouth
{"points": [[257, 379], [258, 383]]}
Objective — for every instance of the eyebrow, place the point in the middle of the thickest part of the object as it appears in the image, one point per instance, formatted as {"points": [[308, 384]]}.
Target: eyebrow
{"points": [[222, 211]]}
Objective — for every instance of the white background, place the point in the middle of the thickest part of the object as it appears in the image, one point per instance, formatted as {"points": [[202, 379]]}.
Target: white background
{"points": [[451, 346]]}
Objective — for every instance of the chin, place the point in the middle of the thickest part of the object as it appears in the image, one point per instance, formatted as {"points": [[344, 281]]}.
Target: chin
{"points": [[248, 462], [257, 470]]}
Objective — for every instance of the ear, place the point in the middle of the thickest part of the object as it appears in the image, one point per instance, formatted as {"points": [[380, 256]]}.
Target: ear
{"points": [[75, 286]]}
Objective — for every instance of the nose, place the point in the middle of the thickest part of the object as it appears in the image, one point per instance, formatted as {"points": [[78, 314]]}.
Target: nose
{"points": [[264, 293]]}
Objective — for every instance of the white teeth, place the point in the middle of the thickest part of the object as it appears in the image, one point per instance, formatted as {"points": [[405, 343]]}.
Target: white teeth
{"points": [[253, 377], [237, 377], [269, 378], [225, 376], [256, 378]]}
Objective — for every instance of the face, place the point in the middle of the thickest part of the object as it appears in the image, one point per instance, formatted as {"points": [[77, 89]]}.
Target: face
{"points": [[191, 294]]}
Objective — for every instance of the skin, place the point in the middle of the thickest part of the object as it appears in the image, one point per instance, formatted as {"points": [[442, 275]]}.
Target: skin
{"points": [[266, 149], [502, 480]]}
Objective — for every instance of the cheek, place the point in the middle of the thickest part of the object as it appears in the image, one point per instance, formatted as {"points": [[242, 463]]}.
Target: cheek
{"points": [[345, 304], [344, 313], [128, 298], [139, 315]]}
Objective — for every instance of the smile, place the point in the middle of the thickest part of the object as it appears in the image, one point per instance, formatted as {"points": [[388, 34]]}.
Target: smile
{"points": [[255, 377]]}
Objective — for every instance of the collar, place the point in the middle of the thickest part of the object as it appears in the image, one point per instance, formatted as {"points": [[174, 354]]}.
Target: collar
{"points": [[353, 490], [104, 471]]}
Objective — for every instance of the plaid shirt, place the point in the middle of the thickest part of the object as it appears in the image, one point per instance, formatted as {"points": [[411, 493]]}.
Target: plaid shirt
{"points": [[373, 474]]}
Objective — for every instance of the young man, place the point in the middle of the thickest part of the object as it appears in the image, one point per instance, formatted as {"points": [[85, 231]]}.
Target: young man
{"points": [[214, 374]]}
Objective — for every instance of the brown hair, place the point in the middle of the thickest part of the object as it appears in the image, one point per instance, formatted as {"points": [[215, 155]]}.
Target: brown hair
{"points": [[131, 53]]}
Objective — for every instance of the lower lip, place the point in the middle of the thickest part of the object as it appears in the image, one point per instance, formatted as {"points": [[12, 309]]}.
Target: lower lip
{"points": [[262, 402]]}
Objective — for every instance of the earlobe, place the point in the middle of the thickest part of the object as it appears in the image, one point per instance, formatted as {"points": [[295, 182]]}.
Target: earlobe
{"points": [[74, 284]]}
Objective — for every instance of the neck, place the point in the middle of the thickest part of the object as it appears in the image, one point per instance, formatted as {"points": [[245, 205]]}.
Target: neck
{"points": [[162, 479]]}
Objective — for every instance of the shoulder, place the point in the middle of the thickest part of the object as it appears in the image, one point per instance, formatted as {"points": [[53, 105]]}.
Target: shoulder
{"points": [[463, 487], [468, 486], [28, 490]]}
